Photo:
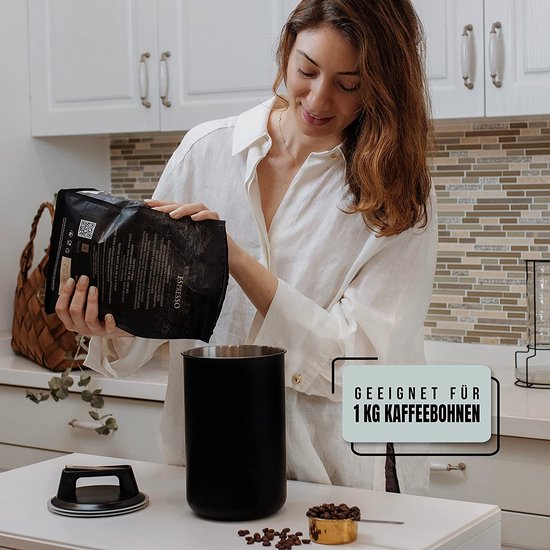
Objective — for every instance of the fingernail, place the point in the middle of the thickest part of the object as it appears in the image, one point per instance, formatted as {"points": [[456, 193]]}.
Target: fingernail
{"points": [[193, 216], [70, 282], [173, 214], [109, 318], [92, 291]]}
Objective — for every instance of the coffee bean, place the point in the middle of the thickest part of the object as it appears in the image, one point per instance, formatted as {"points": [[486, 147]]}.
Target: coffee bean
{"points": [[287, 539], [331, 511]]}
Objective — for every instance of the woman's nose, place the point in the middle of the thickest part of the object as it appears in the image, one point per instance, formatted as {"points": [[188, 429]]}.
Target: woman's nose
{"points": [[319, 97]]}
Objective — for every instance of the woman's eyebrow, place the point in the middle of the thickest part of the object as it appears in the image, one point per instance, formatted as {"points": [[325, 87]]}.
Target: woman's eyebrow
{"points": [[347, 73]]}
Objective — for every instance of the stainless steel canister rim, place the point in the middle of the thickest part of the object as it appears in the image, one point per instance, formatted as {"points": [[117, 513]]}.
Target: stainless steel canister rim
{"points": [[239, 351]]}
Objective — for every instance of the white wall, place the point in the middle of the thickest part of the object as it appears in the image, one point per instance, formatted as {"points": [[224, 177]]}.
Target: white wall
{"points": [[32, 170]]}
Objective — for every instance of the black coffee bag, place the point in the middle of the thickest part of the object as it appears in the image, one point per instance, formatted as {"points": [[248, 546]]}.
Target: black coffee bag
{"points": [[159, 277]]}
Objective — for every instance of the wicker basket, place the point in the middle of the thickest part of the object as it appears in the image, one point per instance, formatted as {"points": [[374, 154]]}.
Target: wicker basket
{"points": [[35, 334]]}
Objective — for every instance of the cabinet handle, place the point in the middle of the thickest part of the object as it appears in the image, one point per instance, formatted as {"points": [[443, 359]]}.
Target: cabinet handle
{"points": [[144, 80], [164, 81], [85, 424], [493, 54], [436, 467], [467, 56]]}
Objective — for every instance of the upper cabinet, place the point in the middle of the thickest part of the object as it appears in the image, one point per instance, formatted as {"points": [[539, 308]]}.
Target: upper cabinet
{"points": [[487, 57], [147, 65]]}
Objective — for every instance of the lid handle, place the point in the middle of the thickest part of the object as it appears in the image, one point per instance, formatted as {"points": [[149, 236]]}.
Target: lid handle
{"points": [[70, 474]]}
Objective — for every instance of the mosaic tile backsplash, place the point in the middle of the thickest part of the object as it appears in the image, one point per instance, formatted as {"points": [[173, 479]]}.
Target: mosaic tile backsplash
{"points": [[492, 180]]}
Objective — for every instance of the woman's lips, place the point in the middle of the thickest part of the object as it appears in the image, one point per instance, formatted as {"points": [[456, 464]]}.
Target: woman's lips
{"points": [[315, 121]]}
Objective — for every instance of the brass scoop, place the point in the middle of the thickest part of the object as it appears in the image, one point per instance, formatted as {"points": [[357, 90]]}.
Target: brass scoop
{"points": [[338, 531]]}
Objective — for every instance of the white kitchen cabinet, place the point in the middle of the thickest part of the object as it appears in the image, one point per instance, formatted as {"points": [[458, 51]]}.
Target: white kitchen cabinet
{"points": [[219, 57], [516, 479], [522, 57], [45, 427], [87, 60], [479, 38], [31, 432], [148, 65]]}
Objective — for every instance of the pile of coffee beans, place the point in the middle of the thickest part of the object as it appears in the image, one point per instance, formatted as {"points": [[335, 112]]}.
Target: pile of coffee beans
{"points": [[267, 538], [331, 511]]}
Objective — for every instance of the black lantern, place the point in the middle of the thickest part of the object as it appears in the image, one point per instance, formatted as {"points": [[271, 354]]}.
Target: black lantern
{"points": [[537, 277]]}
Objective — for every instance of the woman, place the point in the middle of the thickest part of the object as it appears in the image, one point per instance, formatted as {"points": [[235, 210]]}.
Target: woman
{"points": [[331, 228]]}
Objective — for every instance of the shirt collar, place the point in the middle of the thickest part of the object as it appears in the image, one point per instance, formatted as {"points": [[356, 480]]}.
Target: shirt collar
{"points": [[251, 126]]}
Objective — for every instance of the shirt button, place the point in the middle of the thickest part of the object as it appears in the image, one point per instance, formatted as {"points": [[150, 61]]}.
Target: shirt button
{"points": [[296, 378], [332, 157]]}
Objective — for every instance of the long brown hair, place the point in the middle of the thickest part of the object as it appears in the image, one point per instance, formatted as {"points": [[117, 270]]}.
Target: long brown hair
{"points": [[386, 147]]}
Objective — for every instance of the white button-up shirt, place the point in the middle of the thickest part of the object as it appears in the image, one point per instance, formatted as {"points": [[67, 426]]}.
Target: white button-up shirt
{"points": [[341, 291]]}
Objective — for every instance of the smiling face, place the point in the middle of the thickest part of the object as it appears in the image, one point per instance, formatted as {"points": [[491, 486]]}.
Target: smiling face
{"points": [[322, 83]]}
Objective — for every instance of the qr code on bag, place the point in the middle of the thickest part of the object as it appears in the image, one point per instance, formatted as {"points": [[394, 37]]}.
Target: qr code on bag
{"points": [[86, 229]]}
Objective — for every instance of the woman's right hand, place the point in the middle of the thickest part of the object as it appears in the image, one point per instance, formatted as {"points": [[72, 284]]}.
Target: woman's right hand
{"points": [[77, 307]]}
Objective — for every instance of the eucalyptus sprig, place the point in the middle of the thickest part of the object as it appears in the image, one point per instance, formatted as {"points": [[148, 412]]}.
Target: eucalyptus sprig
{"points": [[59, 390]]}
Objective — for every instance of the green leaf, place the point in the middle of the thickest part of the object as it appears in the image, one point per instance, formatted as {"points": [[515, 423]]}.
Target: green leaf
{"points": [[97, 402], [94, 415], [37, 396], [69, 382], [111, 423], [54, 382], [84, 379], [103, 430], [97, 392], [86, 396], [61, 393]]}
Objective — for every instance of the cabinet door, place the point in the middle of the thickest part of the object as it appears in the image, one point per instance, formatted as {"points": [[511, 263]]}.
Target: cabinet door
{"points": [[46, 427], [516, 479], [445, 22], [85, 66], [521, 57], [218, 57]]}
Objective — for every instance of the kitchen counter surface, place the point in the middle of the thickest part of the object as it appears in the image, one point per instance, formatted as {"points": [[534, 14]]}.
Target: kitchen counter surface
{"points": [[168, 523], [524, 412], [147, 383]]}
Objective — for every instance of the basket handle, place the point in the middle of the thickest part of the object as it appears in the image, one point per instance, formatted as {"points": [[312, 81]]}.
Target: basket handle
{"points": [[28, 252]]}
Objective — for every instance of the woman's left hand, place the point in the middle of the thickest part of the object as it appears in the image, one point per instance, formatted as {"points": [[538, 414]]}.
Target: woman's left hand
{"points": [[197, 211]]}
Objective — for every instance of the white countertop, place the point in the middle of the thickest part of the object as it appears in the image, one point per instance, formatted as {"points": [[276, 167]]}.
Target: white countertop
{"points": [[524, 412], [168, 523], [147, 383]]}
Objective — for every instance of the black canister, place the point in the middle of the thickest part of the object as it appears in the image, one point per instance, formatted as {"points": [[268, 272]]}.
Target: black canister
{"points": [[235, 435]]}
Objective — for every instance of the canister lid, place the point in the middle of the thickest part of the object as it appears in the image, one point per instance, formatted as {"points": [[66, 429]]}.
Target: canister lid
{"points": [[97, 500]]}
